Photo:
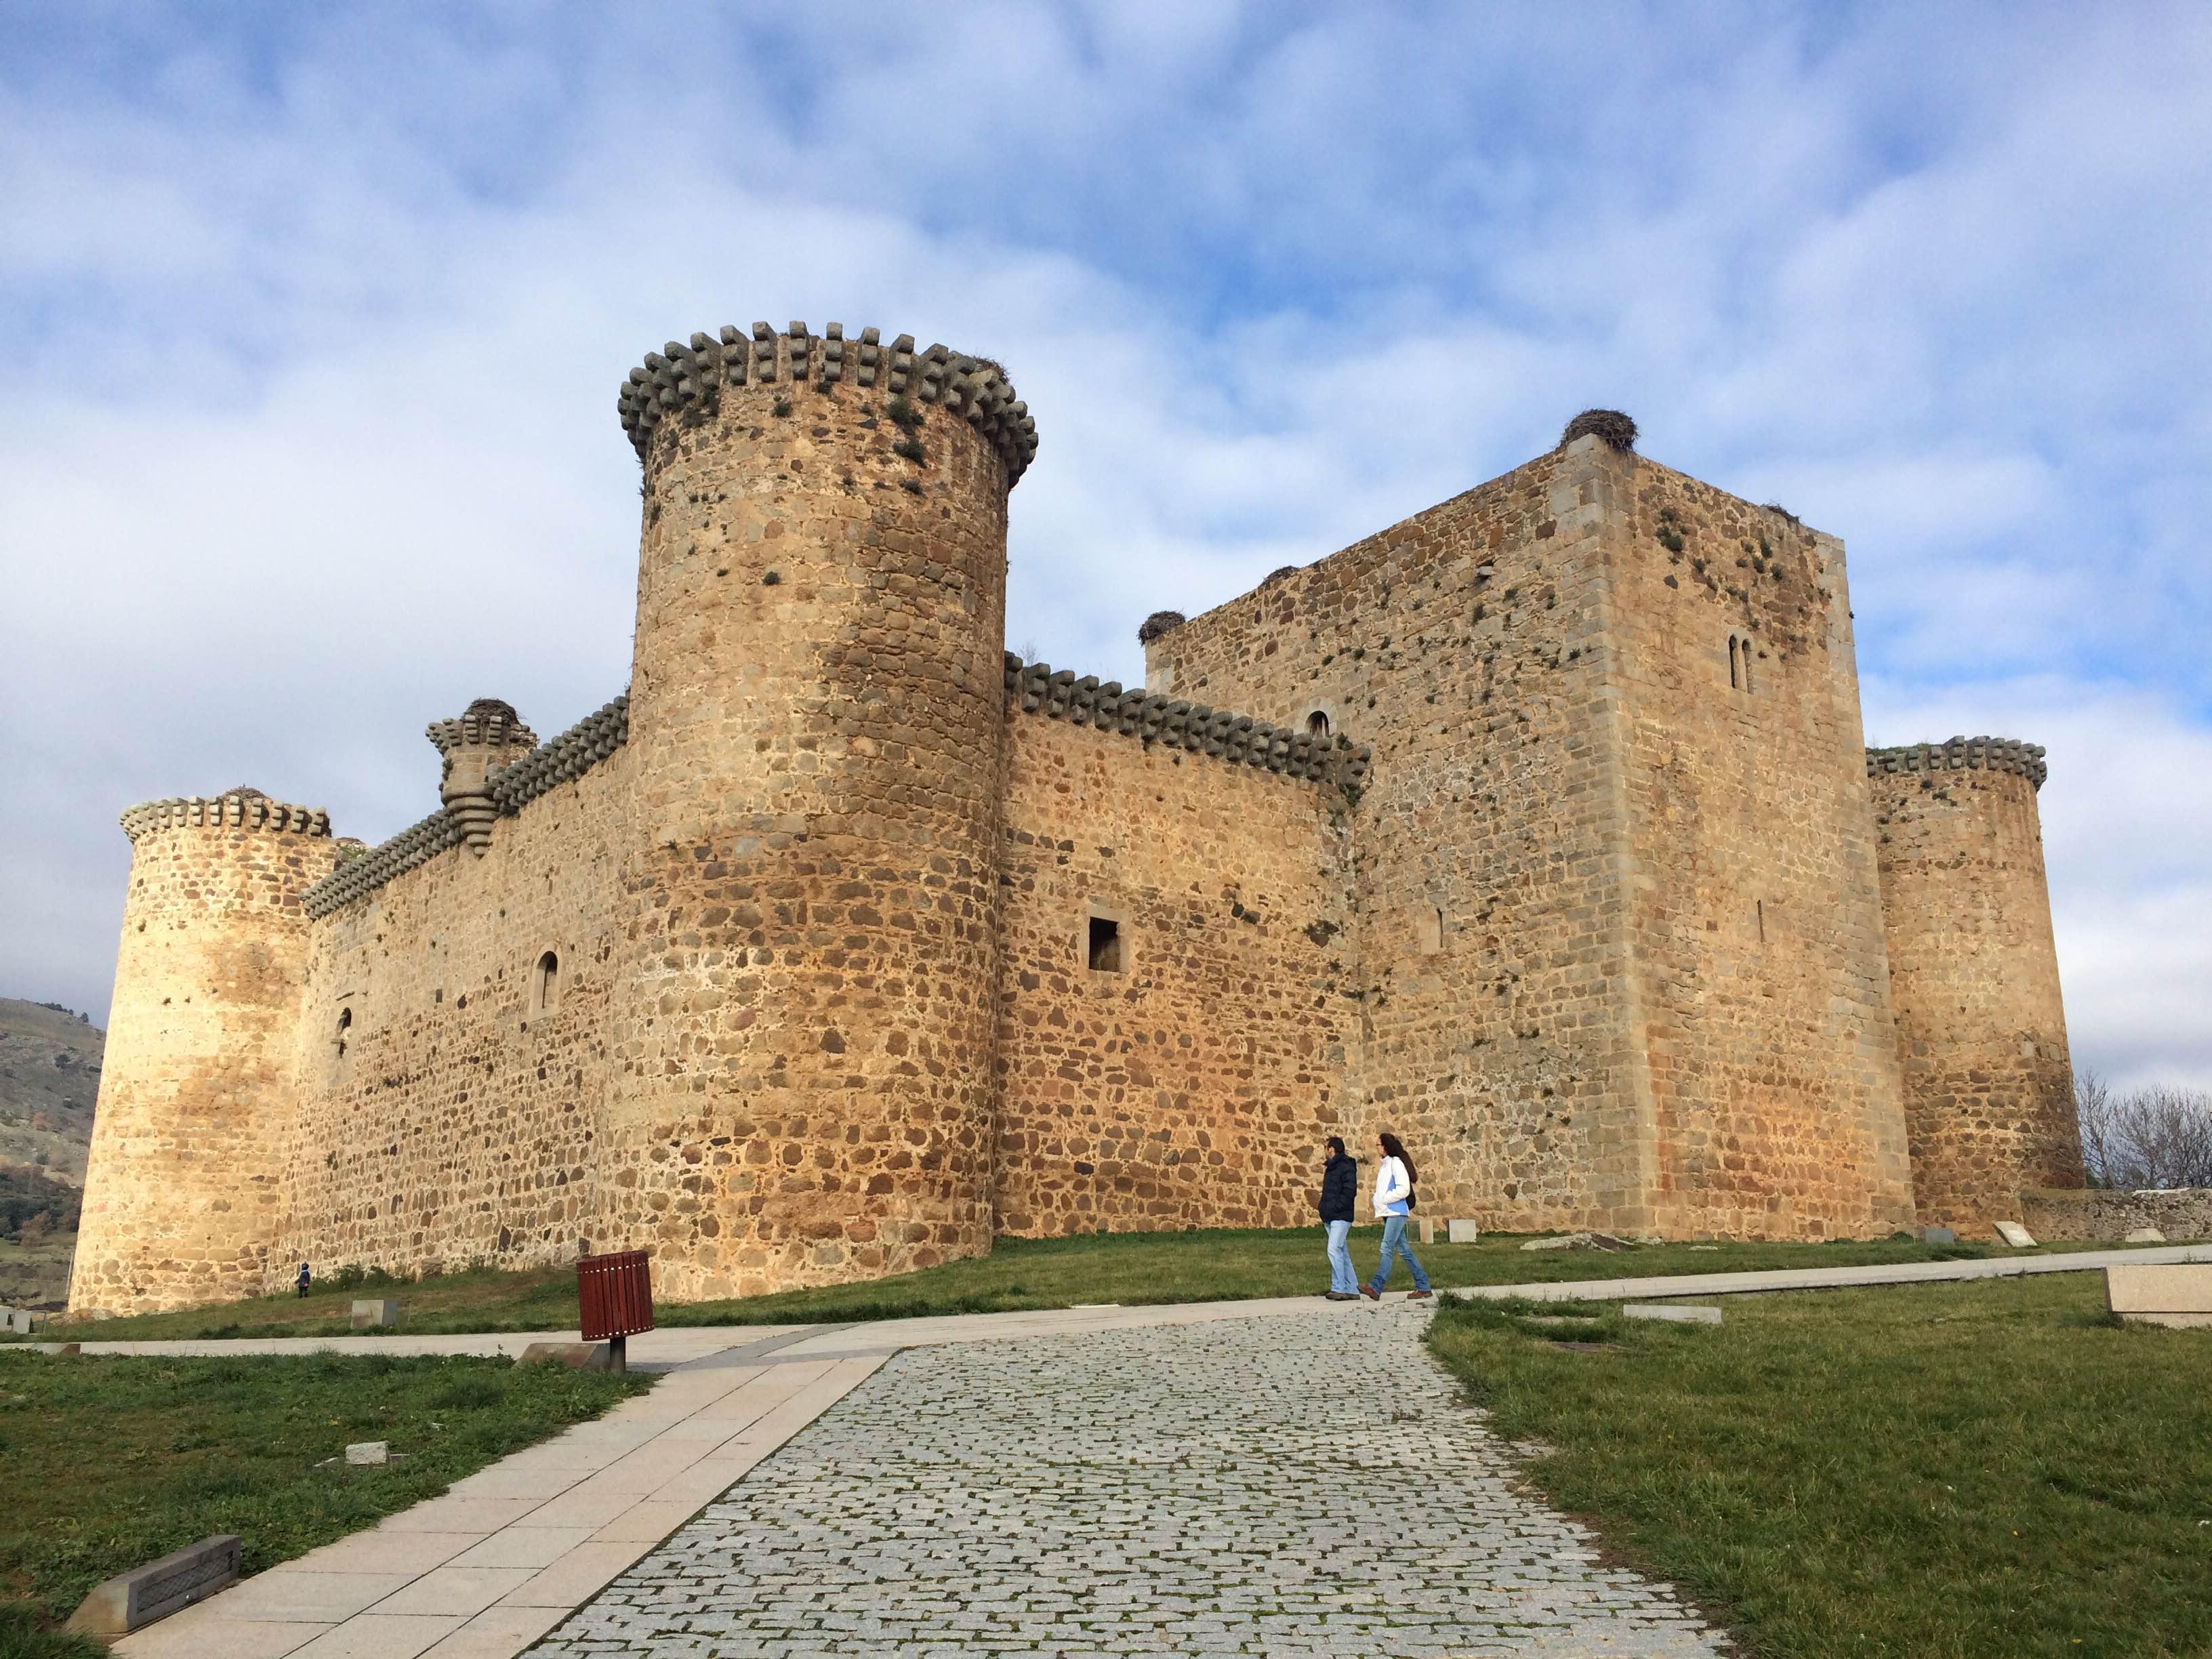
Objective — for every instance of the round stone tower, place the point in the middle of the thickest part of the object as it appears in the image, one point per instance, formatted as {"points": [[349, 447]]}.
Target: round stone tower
{"points": [[182, 1191], [1989, 1094], [802, 1083]]}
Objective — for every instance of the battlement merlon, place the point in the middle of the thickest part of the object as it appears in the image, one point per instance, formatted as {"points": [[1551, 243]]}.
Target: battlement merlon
{"points": [[1961, 754], [242, 808], [683, 382], [1037, 689]]}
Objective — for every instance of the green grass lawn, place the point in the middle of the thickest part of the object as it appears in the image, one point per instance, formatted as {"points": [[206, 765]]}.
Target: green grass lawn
{"points": [[1018, 1274], [1991, 1468], [113, 1462]]}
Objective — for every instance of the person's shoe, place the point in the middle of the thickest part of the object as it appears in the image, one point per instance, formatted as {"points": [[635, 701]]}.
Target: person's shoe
{"points": [[1415, 1296], [1371, 1292], [1339, 1296]]}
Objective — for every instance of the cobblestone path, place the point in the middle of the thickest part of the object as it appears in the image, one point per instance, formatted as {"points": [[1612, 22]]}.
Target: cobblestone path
{"points": [[1283, 1487]]}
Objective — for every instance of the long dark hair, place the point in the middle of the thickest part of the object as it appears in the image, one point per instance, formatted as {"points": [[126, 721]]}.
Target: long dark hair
{"points": [[1396, 1148], [1336, 1147]]}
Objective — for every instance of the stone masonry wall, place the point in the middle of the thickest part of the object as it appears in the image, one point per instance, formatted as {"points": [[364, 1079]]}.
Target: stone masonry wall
{"points": [[460, 1123], [184, 1194], [2181, 1214], [1485, 955], [1562, 1010], [1192, 1084], [1974, 973], [1756, 925], [808, 958]]}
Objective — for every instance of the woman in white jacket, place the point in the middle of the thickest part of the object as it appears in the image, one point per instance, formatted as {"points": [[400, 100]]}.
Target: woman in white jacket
{"points": [[1394, 1202]]}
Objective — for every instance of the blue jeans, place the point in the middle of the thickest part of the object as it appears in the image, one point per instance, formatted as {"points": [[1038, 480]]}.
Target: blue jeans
{"points": [[1393, 1238], [1340, 1275]]}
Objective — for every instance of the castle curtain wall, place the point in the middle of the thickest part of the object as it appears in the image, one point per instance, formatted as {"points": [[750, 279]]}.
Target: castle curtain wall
{"points": [[1191, 1078], [1760, 968], [1494, 1030], [459, 1123]]}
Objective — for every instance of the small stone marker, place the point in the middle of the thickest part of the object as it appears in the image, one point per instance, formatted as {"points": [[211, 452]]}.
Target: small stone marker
{"points": [[2181, 1296], [21, 1319], [131, 1601], [1579, 1241], [366, 1315], [576, 1356], [1938, 1235], [2145, 1235], [368, 1453], [1462, 1232], [1425, 1228], [1670, 1313], [2016, 1235]]}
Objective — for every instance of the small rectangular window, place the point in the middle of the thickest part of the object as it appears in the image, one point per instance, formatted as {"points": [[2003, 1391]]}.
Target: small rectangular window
{"points": [[1105, 946]]}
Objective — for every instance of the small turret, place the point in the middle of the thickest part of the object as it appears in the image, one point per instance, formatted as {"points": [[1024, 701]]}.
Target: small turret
{"points": [[486, 736]]}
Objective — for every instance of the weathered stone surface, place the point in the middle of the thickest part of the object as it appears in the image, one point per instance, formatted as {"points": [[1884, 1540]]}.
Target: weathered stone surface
{"points": [[2110, 1215], [2014, 1235], [2179, 1296], [1938, 1235], [369, 1453], [576, 1356], [1462, 1232], [133, 1600], [368, 1315], [1973, 970], [2145, 1235]]}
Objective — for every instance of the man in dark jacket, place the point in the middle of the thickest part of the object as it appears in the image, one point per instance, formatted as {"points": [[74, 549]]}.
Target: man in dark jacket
{"points": [[1339, 1189]]}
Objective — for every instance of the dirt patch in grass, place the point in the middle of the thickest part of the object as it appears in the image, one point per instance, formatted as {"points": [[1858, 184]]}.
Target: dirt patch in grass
{"points": [[114, 1461], [1984, 1469]]}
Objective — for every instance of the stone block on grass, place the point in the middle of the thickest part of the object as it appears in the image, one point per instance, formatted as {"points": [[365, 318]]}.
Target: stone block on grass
{"points": [[2178, 1296], [368, 1453], [368, 1315], [1669, 1312], [1462, 1232], [1938, 1235], [131, 1601], [2145, 1235], [2016, 1235]]}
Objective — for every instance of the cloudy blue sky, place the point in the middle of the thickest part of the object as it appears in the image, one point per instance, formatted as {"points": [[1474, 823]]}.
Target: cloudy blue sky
{"points": [[311, 318]]}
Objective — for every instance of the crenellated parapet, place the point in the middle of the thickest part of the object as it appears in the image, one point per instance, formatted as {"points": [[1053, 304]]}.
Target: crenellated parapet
{"points": [[568, 757], [487, 723], [1037, 688], [685, 382], [1962, 754], [242, 808]]}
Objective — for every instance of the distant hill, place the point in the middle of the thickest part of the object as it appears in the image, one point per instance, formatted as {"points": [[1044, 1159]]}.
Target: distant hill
{"points": [[49, 1077]]}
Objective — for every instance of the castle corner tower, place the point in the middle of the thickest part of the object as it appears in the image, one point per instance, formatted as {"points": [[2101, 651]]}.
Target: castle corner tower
{"points": [[184, 1198], [801, 1086], [1989, 1084]]}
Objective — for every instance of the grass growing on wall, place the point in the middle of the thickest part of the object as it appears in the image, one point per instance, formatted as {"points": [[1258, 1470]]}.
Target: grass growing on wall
{"points": [[1936, 1471], [1020, 1274], [113, 1462]]}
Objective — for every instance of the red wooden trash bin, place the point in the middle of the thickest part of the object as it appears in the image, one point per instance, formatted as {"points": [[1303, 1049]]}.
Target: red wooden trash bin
{"points": [[615, 1294]]}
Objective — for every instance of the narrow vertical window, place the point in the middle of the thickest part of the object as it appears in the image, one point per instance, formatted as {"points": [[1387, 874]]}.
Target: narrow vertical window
{"points": [[1317, 724], [1746, 667], [1762, 921], [545, 984], [1105, 946], [345, 1024], [1735, 672]]}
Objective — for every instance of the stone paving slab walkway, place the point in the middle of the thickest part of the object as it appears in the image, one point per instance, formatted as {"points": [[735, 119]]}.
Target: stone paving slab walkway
{"points": [[1303, 1486]]}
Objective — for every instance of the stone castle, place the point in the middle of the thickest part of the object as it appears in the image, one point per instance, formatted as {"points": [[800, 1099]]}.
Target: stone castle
{"points": [[1538, 828]]}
